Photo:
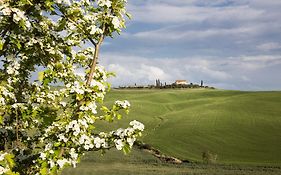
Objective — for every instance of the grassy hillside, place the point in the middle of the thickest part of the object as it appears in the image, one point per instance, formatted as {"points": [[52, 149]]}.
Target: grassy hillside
{"points": [[240, 127]]}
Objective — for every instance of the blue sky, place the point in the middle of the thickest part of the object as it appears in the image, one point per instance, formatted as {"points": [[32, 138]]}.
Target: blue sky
{"points": [[229, 44]]}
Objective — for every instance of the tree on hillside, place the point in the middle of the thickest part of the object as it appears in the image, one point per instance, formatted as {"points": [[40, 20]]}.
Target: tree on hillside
{"points": [[45, 128]]}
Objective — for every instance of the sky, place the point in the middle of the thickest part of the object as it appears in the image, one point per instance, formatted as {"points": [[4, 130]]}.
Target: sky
{"points": [[229, 44]]}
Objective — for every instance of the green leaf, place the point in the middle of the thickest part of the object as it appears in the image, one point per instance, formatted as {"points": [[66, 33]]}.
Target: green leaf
{"points": [[126, 149], [46, 81], [57, 144], [62, 24], [1, 119], [79, 97], [11, 173], [127, 111], [44, 171], [54, 170], [59, 65], [129, 15], [119, 116], [9, 158], [91, 127], [104, 109], [40, 76], [44, 164], [1, 44], [108, 118], [22, 24]]}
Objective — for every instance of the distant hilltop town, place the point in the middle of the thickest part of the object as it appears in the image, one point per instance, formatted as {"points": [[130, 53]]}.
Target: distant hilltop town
{"points": [[160, 85]]}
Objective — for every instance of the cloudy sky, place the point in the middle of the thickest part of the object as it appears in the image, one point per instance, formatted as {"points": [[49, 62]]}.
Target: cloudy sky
{"points": [[229, 44]]}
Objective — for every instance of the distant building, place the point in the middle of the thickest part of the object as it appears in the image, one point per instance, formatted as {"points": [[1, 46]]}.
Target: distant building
{"points": [[181, 82]]}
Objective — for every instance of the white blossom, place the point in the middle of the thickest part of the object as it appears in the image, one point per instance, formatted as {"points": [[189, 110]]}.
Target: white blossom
{"points": [[43, 156], [124, 104], [3, 170], [51, 96], [7, 11], [51, 163], [2, 156], [2, 101], [93, 30], [131, 141], [137, 125], [73, 154], [116, 22], [77, 88], [83, 138], [93, 107], [83, 122], [62, 138], [102, 3], [18, 15], [13, 67], [100, 86], [27, 24], [129, 131], [99, 142], [120, 132], [62, 162], [119, 144], [63, 103], [74, 126], [63, 1], [48, 147], [84, 108]]}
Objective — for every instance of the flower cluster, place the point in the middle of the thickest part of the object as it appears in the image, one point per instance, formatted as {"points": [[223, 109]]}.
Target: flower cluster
{"points": [[103, 3], [122, 104], [17, 15], [76, 134], [13, 68], [137, 125]]}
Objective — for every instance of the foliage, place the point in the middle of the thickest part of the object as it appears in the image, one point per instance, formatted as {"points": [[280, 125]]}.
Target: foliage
{"points": [[44, 129]]}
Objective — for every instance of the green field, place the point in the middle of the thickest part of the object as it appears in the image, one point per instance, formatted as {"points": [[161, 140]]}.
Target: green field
{"points": [[241, 128]]}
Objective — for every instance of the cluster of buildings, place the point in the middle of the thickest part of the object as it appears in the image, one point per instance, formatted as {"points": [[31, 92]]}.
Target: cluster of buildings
{"points": [[176, 84]]}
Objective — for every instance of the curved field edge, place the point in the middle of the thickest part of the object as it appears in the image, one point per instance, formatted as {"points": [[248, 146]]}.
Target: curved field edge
{"points": [[239, 127]]}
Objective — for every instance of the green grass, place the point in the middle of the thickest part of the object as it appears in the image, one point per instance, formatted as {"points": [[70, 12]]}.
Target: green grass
{"points": [[240, 127], [143, 163]]}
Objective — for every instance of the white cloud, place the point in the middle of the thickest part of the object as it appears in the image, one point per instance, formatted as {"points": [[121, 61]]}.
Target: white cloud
{"points": [[239, 37], [207, 72], [170, 13], [233, 72], [169, 33], [269, 46], [153, 72]]}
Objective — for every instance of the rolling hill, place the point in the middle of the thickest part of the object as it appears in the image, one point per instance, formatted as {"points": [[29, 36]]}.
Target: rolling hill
{"points": [[241, 128]]}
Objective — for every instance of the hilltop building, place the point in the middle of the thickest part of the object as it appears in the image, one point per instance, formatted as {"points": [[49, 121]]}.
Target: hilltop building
{"points": [[181, 82]]}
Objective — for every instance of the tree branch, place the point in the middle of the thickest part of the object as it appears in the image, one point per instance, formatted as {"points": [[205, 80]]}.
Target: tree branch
{"points": [[94, 61]]}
